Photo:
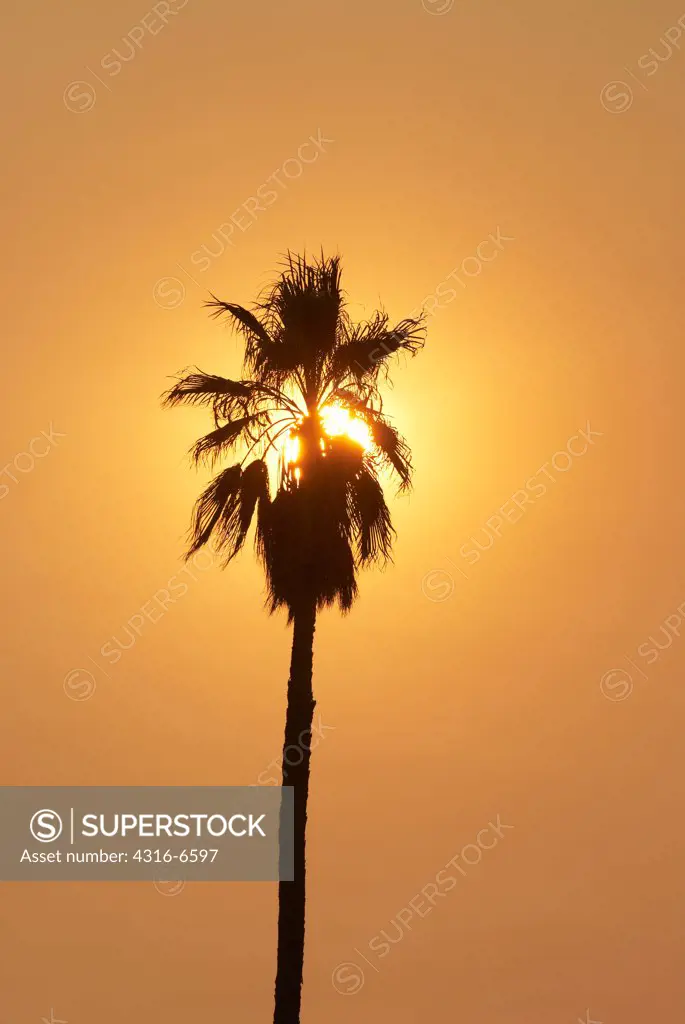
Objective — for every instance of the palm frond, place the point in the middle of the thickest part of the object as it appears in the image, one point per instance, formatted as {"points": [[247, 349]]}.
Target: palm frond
{"points": [[252, 329], [200, 388], [254, 494], [264, 356], [363, 399], [393, 450], [370, 518], [209, 507], [226, 507], [304, 312], [370, 345], [306, 288], [304, 539], [227, 398], [220, 441]]}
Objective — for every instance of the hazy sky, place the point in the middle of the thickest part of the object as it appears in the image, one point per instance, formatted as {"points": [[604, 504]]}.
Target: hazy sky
{"points": [[468, 682]]}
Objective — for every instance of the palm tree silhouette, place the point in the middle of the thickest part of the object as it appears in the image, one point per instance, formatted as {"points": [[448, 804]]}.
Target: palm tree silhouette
{"points": [[308, 411]]}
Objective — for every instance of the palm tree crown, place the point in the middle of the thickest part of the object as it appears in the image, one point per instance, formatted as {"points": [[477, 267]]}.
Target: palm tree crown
{"points": [[326, 515]]}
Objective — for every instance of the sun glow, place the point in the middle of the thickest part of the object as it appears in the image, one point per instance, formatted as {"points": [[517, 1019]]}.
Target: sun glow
{"points": [[338, 421], [291, 449]]}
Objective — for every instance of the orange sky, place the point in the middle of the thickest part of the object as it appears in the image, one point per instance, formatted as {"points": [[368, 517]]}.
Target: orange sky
{"points": [[458, 689]]}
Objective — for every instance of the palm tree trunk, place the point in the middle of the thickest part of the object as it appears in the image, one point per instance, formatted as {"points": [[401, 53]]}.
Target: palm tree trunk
{"points": [[296, 755]]}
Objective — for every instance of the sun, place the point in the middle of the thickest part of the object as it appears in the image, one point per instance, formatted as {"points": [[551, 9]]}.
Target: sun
{"points": [[337, 421], [291, 448]]}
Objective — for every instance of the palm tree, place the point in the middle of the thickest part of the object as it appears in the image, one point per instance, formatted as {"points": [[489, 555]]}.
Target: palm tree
{"points": [[308, 413]]}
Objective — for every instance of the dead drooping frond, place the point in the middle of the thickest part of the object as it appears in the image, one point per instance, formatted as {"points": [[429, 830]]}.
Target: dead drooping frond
{"points": [[209, 507], [225, 509], [370, 517], [393, 450], [327, 516]]}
